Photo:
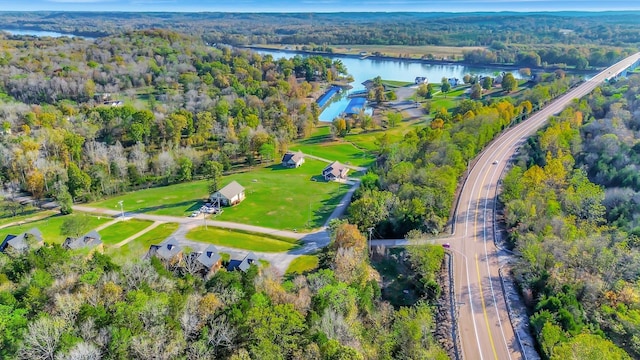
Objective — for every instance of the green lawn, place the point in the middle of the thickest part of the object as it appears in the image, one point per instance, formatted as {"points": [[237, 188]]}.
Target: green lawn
{"points": [[121, 230], [281, 198], [302, 264], [276, 197], [139, 246], [341, 151], [50, 226], [177, 200], [7, 218], [239, 240]]}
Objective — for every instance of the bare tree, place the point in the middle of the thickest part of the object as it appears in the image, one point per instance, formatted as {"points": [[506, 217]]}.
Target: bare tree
{"points": [[221, 334], [42, 339], [82, 351]]}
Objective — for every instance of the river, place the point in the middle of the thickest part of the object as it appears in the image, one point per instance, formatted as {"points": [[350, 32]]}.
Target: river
{"points": [[40, 33], [399, 70]]}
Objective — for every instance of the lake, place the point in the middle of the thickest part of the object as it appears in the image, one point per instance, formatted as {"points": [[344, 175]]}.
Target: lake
{"points": [[399, 70], [39, 33]]}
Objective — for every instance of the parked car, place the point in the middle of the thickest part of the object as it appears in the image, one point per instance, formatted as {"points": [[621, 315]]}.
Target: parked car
{"points": [[446, 245], [194, 214]]}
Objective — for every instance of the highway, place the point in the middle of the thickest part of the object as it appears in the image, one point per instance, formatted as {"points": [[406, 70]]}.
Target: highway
{"points": [[484, 326]]}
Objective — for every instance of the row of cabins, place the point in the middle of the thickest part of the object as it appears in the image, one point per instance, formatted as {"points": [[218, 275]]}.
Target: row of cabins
{"points": [[169, 252], [21, 243], [209, 261]]}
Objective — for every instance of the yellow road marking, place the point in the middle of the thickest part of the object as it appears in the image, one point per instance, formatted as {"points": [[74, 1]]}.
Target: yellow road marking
{"points": [[475, 235], [484, 310]]}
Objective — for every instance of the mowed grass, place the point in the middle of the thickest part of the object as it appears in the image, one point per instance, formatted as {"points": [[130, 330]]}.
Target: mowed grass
{"points": [[303, 264], [343, 152], [276, 197], [121, 230], [281, 198], [50, 226], [239, 240], [8, 218], [177, 200], [138, 247]]}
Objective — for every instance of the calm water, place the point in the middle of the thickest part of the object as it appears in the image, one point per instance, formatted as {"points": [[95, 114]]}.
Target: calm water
{"points": [[38, 33], [399, 70]]}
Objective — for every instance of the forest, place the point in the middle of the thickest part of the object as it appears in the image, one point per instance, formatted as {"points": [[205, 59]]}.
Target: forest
{"points": [[571, 39], [570, 207], [83, 119], [55, 304]]}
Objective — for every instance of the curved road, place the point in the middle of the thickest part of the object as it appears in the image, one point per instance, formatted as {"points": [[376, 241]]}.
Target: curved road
{"points": [[484, 327]]}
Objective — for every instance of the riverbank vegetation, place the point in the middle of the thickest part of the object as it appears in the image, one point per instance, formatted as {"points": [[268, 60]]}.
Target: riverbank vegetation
{"points": [[57, 304], [570, 208]]}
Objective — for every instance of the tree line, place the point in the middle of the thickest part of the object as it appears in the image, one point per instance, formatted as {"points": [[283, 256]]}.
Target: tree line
{"points": [[571, 214]]}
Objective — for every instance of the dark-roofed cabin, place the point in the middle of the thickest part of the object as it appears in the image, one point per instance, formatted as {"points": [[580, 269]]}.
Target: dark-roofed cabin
{"points": [[169, 252], [21, 243], [210, 260], [92, 240], [335, 171], [244, 264], [293, 160], [231, 194]]}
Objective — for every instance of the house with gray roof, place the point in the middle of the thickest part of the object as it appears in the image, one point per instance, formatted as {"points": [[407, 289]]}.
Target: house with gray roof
{"points": [[91, 240], [229, 195], [210, 259], [244, 264], [22, 242], [335, 172], [170, 252], [293, 160]]}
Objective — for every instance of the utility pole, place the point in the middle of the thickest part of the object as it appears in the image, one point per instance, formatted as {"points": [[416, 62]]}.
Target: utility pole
{"points": [[121, 209]]}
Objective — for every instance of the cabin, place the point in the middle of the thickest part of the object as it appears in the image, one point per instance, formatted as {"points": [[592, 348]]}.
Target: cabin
{"points": [[209, 260], [335, 172], [19, 244], [244, 264], [229, 195], [92, 241], [169, 252], [293, 160]]}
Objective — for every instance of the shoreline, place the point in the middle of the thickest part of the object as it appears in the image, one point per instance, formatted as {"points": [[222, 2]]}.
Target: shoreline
{"points": [[422, 61]]}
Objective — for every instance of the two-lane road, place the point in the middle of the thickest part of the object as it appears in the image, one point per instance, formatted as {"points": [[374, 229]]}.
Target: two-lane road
{"points": [[484, 326]]}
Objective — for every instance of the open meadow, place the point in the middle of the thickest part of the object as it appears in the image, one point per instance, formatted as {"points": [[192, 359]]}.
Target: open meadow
{"points": [[50, 226], [276, 197], [138, 247]]}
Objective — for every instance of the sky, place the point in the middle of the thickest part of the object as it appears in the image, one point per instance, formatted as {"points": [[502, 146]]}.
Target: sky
{"points": [[318, 5]]}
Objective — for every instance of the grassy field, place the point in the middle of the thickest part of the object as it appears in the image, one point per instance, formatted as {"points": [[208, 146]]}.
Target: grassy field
{"points": [[346, 153], [239, 240], [50, 226], [121, 230], [177, 200], [276, 197], [7, 218], [281, 198], [138, 247], [303, 264]]}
